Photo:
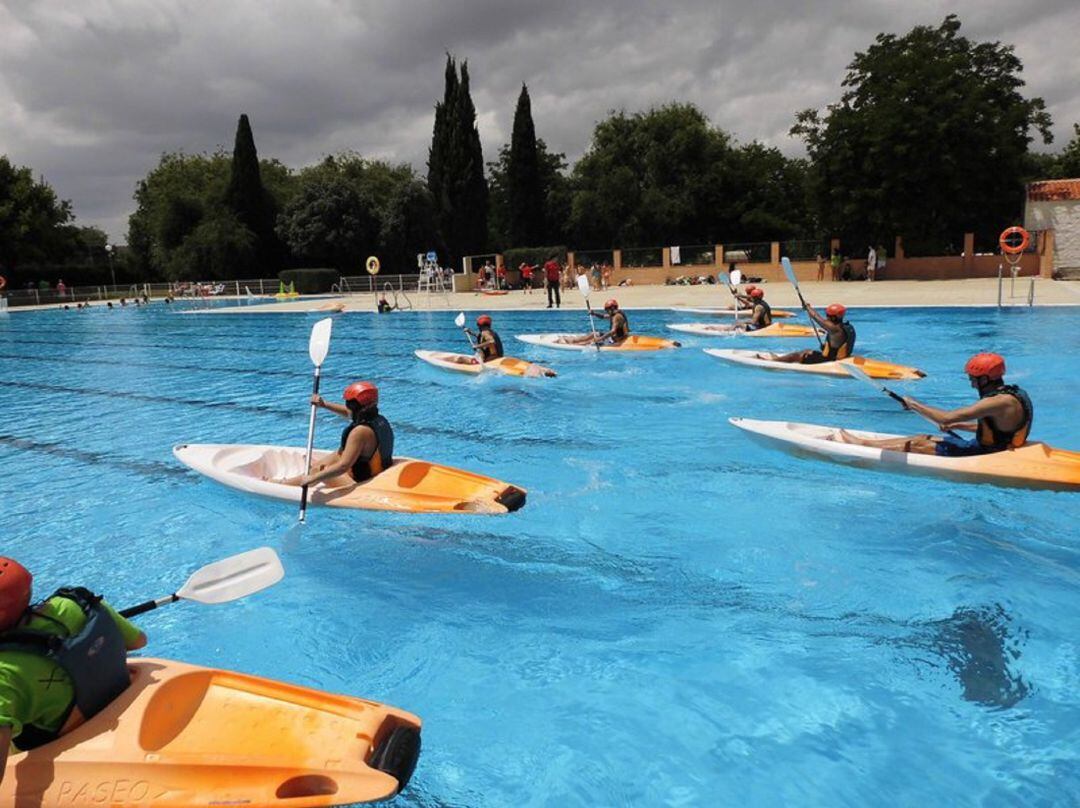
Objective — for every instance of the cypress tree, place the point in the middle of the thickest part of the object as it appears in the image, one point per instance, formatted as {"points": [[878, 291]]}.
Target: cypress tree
{"points": [[524, 189], [456, 168], [249, 200]]}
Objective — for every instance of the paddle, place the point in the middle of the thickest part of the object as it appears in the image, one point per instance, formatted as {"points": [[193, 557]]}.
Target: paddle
{"points": [[734, 279], [229, 579], [584, 288], [459, 321], [860, 374], [318, 346], [790, 272]]}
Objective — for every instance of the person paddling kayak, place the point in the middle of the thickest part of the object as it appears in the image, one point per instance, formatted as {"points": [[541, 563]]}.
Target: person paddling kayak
{"points": [[620, 326], [367, 443], [62, 660], [488, 344], [1001, 418], [839, 338], [760, 311]]}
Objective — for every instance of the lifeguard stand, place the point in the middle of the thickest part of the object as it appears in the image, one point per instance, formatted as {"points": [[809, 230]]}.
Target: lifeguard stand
{"points": [[432, 276]]}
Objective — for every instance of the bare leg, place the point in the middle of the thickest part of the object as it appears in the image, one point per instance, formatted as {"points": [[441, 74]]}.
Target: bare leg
{"points": [[918, 444], [796, 356]]}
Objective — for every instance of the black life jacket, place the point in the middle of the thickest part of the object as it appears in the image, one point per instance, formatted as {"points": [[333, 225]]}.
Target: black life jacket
{"points": [[766, 319], [95, 659], [381, 458], [624, 332], [847, 347], [491, 350], [989, 436]]}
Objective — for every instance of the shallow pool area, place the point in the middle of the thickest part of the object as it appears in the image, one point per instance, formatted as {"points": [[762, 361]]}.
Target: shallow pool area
{"points": [[678, 615]]}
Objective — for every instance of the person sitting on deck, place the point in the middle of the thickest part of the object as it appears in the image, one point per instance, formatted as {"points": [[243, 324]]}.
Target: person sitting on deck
{"points": [[488, 344], [1001, 418], [62, 660], [839, 338], [367, 443]]}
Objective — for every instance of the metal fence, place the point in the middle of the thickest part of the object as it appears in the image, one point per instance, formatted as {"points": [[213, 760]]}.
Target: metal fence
{"points": [[804, 249], [750, 252], [584, 258], [642, 257]]}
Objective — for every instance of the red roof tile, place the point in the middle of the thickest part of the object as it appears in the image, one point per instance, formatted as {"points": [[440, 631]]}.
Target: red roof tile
{"points": [[1053, 190]]}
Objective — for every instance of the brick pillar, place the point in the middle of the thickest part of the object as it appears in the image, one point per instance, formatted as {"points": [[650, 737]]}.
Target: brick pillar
{"points": [[570, 260], [898, 247], [1045, 247], [969, 254], [774, 253], [616, 259], [719, 256], [665, 257]]}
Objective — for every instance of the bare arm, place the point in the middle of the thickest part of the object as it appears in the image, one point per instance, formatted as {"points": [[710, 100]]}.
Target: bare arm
{"points": [[343, 461], [965, 417], [337, 409]]}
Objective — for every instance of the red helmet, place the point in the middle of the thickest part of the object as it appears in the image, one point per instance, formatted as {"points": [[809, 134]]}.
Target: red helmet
{"points": [[836, 310], [750, 288], [364, 393], [991, 365], [484, 320], [611, 304], [15, 585], [755, 292]]}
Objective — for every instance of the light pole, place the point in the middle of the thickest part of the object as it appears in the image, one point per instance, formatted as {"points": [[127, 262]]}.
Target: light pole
{"points": [[112, 270]]}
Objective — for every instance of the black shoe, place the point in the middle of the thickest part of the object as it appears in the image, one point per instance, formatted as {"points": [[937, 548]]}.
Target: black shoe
{"points": [[549, 305]]}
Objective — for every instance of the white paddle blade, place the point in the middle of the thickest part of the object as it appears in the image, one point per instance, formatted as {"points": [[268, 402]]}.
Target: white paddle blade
{"points": [[459, 321], [789, 270], [861, 375], [234, 577], [319, 345], [583, 286], [736, 277]]}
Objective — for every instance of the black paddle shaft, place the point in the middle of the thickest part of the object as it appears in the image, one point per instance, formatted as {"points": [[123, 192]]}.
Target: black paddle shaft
{"points": [[303, 490], [149, 605]]}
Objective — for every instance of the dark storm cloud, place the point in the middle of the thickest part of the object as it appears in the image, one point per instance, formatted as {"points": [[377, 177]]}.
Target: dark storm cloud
{"points": [[91, 93]]}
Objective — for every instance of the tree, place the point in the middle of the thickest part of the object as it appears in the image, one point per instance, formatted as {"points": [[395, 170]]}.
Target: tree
{"points": [[32, 219], [329, 223], [1069, 161], [929, 139], [456, 168], [251, 203], [555, 198], [524, 193]]}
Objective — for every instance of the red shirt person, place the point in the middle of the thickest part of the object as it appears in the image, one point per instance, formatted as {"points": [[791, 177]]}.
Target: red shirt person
{"points": [[551, 273]]}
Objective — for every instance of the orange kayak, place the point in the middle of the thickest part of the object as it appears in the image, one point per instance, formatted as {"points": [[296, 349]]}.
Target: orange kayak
{"points": [[465, 363], [183, 736], [568, 342]]}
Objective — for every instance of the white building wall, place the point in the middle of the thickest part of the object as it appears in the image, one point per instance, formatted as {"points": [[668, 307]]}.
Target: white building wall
{"points": [[1064, 219]]}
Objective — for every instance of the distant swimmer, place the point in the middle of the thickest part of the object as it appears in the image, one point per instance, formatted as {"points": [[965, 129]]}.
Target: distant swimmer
{"points": [[384, 305], [1001, 418], [839, 338], [488, 344], [367, 443]]}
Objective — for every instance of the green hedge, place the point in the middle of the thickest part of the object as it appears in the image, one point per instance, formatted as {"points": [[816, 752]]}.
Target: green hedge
{"points": [[310, 281], [536, 256]]}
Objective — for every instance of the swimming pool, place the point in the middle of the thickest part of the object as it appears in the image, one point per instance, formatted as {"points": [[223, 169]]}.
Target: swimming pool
{"points": [[678, 616]]}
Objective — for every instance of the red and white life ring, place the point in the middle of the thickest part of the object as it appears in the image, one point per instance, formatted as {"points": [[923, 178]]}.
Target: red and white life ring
{"points": [[1008, 243]]}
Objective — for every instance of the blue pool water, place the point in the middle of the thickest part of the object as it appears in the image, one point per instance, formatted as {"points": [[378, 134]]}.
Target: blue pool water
{"points": [[679, 616]]}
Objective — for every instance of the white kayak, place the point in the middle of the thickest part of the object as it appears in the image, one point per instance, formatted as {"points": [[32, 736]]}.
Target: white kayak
{"points": [[727, 312], [467, 363], [733, 330], [415, 486], [1033, 465], [567, 342], [874, 368]]}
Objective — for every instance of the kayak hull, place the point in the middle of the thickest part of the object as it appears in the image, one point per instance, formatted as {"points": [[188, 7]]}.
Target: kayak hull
{"points": [[633, 343], [1033, 465], [874, 368], [466, 363], [411, 486], [726, 330], [728, 312], [183, 736]]}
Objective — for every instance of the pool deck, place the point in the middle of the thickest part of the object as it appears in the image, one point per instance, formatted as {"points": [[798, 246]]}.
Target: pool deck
{"points": [[968, 292]]}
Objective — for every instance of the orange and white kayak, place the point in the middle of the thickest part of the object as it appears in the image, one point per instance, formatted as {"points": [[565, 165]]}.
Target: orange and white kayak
{"points": [[466, 363], [569, 342], [874, 368], [412, 486], [1033, 465], [182, 736], [734, 330], [728, 312]]}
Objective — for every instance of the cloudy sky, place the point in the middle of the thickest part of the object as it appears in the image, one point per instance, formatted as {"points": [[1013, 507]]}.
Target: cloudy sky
{"points": [[93, 91]]}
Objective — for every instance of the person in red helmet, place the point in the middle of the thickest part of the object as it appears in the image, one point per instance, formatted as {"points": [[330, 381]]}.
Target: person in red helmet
{"points": [[488, 344], [367, 443], [839, 338], [1001, 419], [760, 311], [61, 660], [620, 326]]}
